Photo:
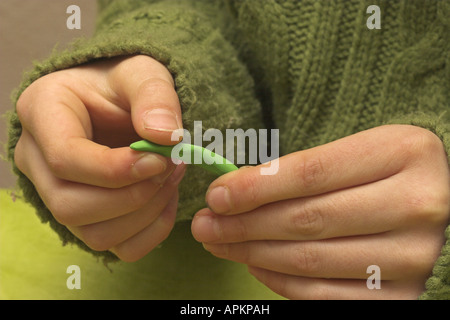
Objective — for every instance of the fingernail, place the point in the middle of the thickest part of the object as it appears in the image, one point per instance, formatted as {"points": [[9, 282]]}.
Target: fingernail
{"points": [[219, 200], [160, 120], [148, 165], [208, 229]]}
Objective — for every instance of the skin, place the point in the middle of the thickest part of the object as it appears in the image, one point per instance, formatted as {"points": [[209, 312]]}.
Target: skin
{"points": [[379, 197], [77, 127]]}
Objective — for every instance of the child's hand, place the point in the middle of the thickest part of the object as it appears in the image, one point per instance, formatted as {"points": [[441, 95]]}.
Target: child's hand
{"points": [[380, 197], [77, 125]]}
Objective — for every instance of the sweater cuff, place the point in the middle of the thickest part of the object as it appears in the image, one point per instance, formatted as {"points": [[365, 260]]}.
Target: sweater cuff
{"points": [[212, 84], [438, 285]]}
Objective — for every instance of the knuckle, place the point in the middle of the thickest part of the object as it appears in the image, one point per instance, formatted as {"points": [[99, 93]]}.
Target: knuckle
{"points": [[62, 209], [55, 161], [310, 171], [239, 230], [432, 206], [428, 142], [306, 260], [43, 87], [249, 185], [307, 221], [112, 176], [155, 86], [95, 238], [418, 142]]}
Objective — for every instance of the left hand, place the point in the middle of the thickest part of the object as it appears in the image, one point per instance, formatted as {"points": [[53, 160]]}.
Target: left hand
{"points": [[379, 197]]}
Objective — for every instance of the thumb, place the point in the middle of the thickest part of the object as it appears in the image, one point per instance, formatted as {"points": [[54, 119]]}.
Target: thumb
{"points": [[148, 88]]}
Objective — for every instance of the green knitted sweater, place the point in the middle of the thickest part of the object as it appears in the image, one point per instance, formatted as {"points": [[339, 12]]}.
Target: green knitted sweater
{"points": [[312, 69]]}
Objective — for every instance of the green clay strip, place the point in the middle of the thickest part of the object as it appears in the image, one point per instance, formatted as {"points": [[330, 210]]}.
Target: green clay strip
{"points": [[209, 160]]}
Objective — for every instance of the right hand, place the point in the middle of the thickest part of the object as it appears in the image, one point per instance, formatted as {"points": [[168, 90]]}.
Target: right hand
{"points": [[77, 126]]}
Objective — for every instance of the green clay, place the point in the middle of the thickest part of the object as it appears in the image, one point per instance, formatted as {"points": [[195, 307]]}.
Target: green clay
{"points": [[209, 160]]}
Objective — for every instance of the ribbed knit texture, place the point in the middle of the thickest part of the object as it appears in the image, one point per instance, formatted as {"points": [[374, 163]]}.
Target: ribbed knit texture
{"points": [[313, 68]]}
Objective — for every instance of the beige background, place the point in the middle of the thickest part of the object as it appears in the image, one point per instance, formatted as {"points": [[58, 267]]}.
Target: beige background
{"points": [[29, 29]]}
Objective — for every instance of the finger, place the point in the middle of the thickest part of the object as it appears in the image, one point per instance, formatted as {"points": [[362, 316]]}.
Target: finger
{"points": [[104, 235], [75, 204], [83, 161], [342, 258], [148, 88], [148, 239], [303, 288], [354, 211], [351, 161], [56, 119]]}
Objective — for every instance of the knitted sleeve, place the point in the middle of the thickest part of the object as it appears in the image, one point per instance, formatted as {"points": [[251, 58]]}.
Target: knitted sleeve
{"points": [[187, 37]]}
